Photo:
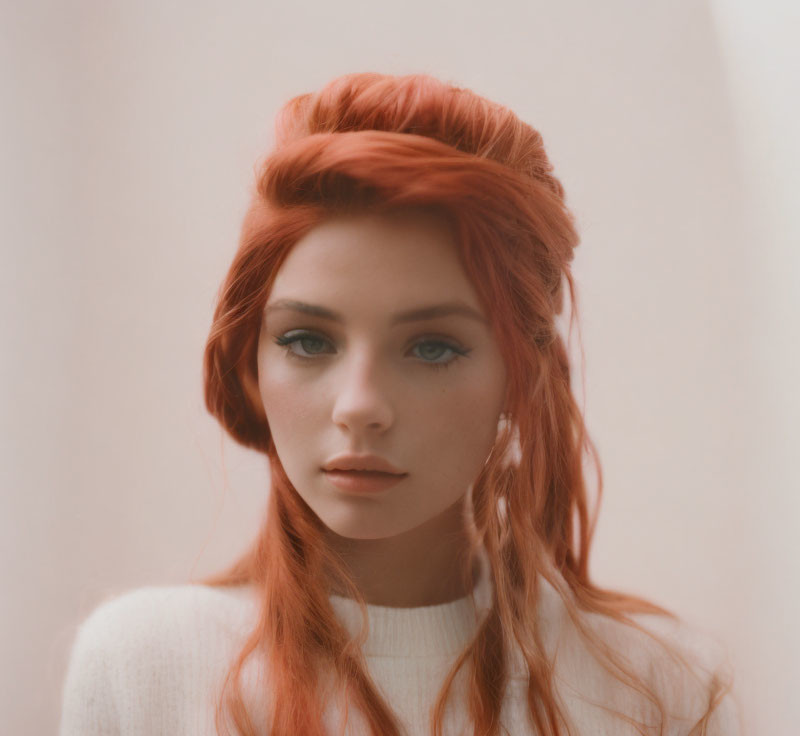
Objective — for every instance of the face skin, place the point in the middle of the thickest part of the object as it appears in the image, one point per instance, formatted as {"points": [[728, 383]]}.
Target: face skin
{"points": [[367, 386]]}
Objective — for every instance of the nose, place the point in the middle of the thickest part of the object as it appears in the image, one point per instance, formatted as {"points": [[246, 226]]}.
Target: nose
{"points": [[361, 401]]}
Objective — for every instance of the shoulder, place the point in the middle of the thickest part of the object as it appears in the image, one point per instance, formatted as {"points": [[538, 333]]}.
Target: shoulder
{"points": [[147, 611], [165, 626], [701, 676], [687, 667], [681, 663], [170, 635]]}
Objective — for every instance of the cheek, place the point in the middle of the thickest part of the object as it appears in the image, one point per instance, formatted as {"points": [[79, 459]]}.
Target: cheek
{"points": [[459, 428], [288, 406]]}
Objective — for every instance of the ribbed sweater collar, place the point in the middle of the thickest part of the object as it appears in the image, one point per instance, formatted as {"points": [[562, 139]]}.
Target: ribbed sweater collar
{"points": [[432, 631], [439, 630]]}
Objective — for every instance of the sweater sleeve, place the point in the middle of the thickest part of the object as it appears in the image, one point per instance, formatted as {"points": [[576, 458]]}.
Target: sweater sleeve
{"points": [[88, 706]]}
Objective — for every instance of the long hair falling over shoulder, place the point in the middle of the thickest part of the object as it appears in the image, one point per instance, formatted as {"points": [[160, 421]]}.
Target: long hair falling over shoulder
{"points": [[372, 142]]}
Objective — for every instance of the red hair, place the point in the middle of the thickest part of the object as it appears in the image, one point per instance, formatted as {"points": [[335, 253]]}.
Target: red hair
{"points": [[371, 142]]}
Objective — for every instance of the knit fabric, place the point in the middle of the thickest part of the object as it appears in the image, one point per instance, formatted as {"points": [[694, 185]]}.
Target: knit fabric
{"points": [[152, 661]]}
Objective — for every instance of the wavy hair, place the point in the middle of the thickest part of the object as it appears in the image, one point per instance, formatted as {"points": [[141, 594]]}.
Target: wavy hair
{"points": [[369, 143]]}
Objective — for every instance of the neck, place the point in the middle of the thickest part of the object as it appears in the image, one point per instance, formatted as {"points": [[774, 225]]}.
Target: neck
{"points": [[421, 567]]}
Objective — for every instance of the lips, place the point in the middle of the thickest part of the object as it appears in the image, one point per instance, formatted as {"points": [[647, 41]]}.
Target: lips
{"points": [[364, 473], [362, 463], [363, 481]]}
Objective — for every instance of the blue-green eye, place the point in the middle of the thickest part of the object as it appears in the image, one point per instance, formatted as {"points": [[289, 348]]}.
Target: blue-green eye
{"points": [[309, 341], [439, 348], [313, 344]]}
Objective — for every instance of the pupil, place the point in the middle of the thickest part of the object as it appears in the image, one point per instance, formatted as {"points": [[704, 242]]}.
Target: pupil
{"points": [[313, 340], [428, 347]]}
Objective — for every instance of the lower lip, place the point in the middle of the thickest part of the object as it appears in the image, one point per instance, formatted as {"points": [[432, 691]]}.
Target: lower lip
{"points": [[362, 481]]}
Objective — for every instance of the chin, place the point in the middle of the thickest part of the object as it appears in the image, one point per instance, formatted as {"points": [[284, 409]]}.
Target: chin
{"points": [[363, 529]]}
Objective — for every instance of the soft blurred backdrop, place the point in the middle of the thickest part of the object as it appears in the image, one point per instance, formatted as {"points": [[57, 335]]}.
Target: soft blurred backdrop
{"points": [[129, 134]]}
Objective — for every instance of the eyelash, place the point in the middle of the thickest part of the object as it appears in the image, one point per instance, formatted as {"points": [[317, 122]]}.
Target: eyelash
{"points": [[287, 341]]}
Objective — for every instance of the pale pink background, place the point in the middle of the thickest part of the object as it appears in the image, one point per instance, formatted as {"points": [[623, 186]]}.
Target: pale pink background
{"points": [[129, 135]]}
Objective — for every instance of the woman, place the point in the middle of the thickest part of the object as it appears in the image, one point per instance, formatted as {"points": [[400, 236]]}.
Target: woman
{"points": [[386, 337]]}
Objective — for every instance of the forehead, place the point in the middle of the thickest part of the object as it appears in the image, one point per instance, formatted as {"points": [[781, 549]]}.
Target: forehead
{"points": [[385, 260]]}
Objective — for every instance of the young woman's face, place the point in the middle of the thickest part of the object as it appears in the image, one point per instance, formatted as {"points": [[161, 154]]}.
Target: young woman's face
{"points": [[357, 377]]}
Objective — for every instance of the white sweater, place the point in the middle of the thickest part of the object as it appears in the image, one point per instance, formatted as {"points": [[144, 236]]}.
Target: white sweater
{"points": [[151, 662]]}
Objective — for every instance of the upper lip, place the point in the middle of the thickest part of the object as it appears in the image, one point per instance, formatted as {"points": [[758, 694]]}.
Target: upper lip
{"points": [[361, 462]]}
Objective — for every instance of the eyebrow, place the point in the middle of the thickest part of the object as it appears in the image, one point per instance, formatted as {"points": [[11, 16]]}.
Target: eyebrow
{"points": [[446, 309]]}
